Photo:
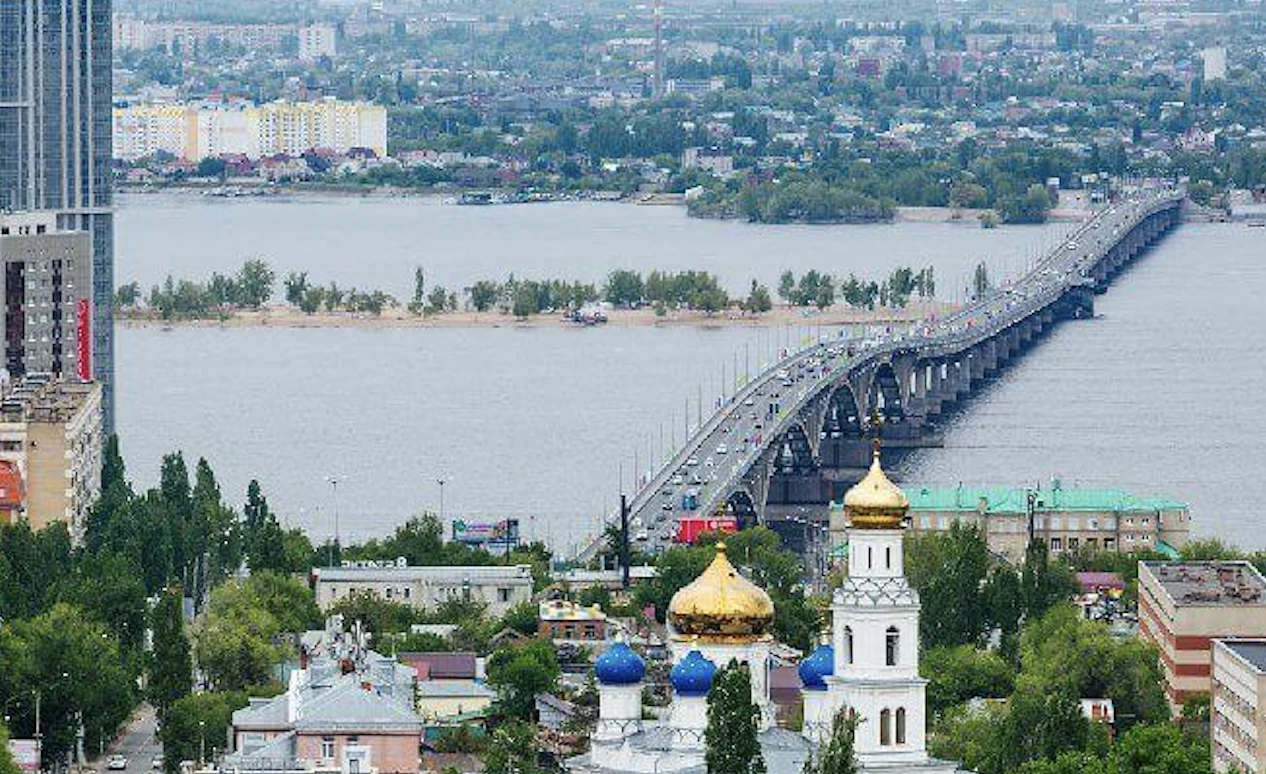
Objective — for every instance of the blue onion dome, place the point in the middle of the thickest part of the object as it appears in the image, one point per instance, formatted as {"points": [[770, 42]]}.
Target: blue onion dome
{"points": [[692, 676], [619, 665], [817, 667]]}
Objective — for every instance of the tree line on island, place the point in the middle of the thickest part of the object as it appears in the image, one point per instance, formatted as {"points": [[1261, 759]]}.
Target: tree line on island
{"points": [[252, 288]]}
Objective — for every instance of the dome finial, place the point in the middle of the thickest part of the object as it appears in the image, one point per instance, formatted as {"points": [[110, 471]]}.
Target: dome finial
{"points": [[875, 502]]}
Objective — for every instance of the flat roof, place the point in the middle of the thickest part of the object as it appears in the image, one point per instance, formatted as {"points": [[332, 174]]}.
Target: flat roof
{"points": [[1252, 651], [1004, 501], [1210, 583], [492, 573]]}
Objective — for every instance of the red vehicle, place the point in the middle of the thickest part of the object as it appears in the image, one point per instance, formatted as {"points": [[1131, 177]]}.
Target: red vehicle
{"points": [[689, 529]]}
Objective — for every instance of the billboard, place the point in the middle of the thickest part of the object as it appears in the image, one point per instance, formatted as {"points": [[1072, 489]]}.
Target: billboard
{"points": [[486, 533], [83, 338], [26, 754]]}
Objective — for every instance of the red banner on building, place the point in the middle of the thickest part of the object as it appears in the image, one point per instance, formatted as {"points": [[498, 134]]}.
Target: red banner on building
{"points": [[83, 320]]}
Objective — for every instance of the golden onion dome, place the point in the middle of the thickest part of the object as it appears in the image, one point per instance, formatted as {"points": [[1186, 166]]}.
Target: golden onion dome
{"points": [[721, 605], [875, 502]]}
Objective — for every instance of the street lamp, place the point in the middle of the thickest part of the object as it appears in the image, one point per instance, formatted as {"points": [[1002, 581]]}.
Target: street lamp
{"points": [[334, 482], [441, 482], [202, 743]]}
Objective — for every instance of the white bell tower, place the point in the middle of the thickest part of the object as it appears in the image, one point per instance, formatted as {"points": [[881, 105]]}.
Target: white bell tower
{"points": [[875, 633]]}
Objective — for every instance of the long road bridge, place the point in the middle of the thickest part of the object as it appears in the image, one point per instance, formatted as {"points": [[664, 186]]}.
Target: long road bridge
{"points": [[796, 433]]}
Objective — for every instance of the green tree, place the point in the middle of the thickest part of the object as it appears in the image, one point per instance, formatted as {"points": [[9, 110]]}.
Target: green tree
{"points": [[419, 291], [758, 299], [948, 569], [624, 288], [7, 764], [1044, 583], [290, 602], [170, 667], [980, 280], [197, 725], [525, 301], [958, 673], [296, 284], [255, 283], [76, 666], [264, 542], [731, 745], [513, 749], [787, 288], [235, 642], [380, 617], [518, 672], [837, 756]]}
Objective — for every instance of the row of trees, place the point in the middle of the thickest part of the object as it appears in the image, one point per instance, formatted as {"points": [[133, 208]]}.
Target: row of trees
{"points": [[819, 289]]}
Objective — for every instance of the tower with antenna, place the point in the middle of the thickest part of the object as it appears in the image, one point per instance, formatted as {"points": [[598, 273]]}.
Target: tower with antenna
{"points": [[657, 88]]}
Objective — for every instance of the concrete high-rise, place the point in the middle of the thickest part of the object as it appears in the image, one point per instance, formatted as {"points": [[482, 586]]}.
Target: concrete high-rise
{"points": [[55, 124]]}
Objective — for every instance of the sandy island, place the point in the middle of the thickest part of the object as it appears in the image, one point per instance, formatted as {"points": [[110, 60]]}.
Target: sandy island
{"points": [[285, 316]]}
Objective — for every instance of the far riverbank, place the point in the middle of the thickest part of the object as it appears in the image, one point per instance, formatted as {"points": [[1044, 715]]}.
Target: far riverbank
{"points": [[286, 316]]}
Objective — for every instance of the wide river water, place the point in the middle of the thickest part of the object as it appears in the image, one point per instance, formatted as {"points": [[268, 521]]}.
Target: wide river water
{"points": [[1159, 394]]}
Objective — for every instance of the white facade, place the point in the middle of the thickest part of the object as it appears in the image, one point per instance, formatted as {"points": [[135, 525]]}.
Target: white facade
{"points": [[1236, 721], [875, 617], [498, 587], [1214, 63], [194, 132], [316, 41]]}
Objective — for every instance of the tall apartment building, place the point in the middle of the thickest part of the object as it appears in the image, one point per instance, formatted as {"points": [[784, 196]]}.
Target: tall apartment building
{"points": [[50, 451], [1184, 606], [47, 297], [292, 128], [55, 124], [1237, 726]]}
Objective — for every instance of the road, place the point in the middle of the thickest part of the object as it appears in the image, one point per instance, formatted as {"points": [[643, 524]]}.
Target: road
{"points": [[741, 429], [138, 743]]}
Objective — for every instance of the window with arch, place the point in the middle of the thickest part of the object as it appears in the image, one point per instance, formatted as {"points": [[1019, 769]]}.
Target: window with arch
{"points": [[892, 642], [848, 644], [885, 727], [901, 725]]}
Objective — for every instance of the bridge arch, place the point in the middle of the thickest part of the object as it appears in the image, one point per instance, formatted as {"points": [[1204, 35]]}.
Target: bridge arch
{"points": [[744, 507], [885, 394], [843, 414], [795, 453]]}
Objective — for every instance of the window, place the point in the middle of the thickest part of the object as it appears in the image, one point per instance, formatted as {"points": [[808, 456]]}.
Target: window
{"points": [[870, 557], [1109, 544], [901, 725], [893, 641], [1056, 544], [1072, 544], [327, 747], [503, 595], [885, 727], [848, 644], [888, 558]]}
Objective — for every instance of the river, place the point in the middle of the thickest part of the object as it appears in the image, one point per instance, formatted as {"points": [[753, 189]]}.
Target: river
{"points": [[1157, 394]]}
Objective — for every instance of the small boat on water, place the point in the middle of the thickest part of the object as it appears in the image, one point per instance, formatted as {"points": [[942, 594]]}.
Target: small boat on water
{"points": [[477, 198]]}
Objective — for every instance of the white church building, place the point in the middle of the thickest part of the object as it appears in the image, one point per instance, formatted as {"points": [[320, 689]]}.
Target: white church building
{"points": [[869, 668]]}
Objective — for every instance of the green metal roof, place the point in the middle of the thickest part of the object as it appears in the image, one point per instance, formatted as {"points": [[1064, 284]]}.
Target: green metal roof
{"points": [[1002, 501]]}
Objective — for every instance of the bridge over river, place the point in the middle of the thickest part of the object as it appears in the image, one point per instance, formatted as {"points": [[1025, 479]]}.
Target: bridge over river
{"points": [[796, 433]]}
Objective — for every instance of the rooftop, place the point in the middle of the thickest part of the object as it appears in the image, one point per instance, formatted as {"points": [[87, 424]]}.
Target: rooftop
{"points": [[44, 398], [1252, 651], [1209, 583], [450, 574], [1002, 501]]}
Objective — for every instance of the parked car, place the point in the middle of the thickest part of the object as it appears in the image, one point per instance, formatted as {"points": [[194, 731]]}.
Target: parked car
{"points": [[116, 762]]}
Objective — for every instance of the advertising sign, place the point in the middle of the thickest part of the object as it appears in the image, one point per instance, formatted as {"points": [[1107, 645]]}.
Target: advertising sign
{"points": [[485, 533], [26, 754], [83, 338]]}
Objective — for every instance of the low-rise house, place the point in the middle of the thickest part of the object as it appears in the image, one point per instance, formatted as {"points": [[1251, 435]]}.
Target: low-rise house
{"points": [[346, 710], [565, 621]]}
